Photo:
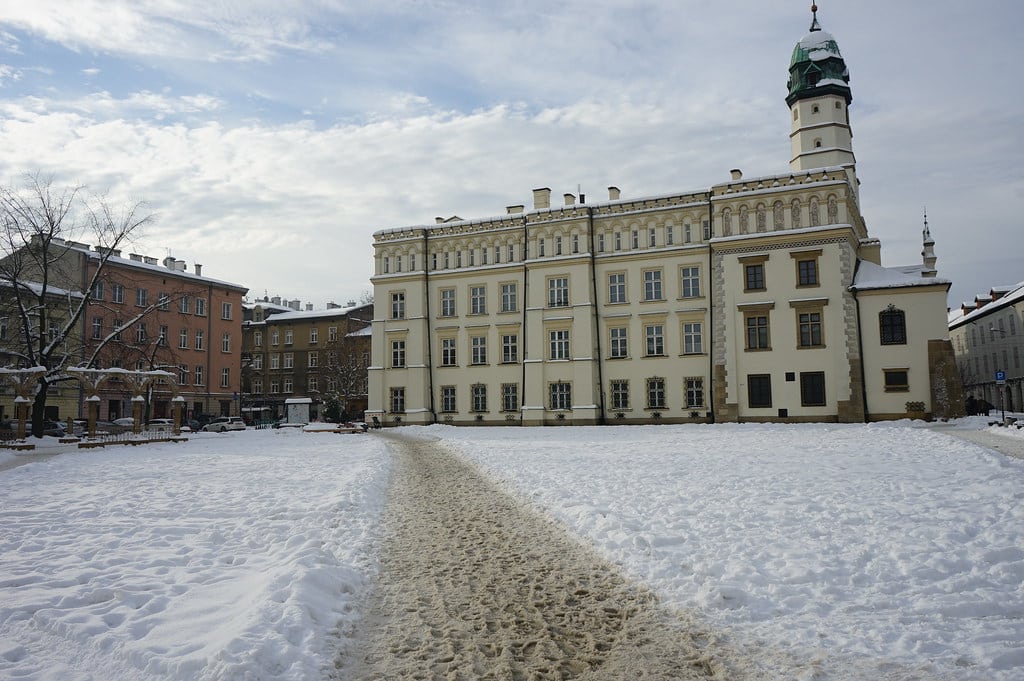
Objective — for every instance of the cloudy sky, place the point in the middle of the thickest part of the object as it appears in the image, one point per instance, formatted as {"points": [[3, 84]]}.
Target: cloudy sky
{"points": [[273, 138]]}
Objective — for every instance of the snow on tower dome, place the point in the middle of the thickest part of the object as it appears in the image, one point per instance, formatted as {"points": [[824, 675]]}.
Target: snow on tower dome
{"points": [[817, 66]]}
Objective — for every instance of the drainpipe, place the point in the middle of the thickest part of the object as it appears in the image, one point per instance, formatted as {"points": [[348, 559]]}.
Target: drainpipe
{"points": [[430, 335], [860, 345], [711, 314], [526, 279], [597, 318]]}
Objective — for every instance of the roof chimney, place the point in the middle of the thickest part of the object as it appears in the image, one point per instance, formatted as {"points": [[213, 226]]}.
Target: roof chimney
{"points": [[613, 193], [570, 199], [512, 210], [439, 220], [199, 269], [737, 174], [309, 307], [541, 198]]}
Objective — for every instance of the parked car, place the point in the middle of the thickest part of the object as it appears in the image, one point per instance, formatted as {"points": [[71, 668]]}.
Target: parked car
{"points": [[224, 423], [124, 421], [160, 425]]}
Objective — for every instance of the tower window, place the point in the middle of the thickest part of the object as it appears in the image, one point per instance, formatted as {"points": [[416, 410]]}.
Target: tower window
{"points": [[839, 105], [815, 109], [817, 143], [796, 115]]}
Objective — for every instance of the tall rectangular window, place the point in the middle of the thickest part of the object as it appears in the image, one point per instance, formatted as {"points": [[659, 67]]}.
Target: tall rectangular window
{"points": [[289, 336], [670, 237], [759, 391], [448, 352], [225, 377], [398, 305], [510, 397], [97, 328], [289, 359], [478, 300], [163, 301], [275, 360], [757, 331], [509, 298], [652, 285], [689, 282], [478, 346], [620, 394], [810, 329], [753, 277], [693, 338], [619, 346], [200, 380], [558, 292], [479, 397], [893, 326], [559, 344], [183, 339], [694, 392], [617, 287], [183, 374], [225, 343], [313, 359], [448, 395], [397, 353], [184, 304], [655, 336], [509, 348], [140, 333], [225, 310], [116, 293], [314, 333], [655, 393], [560, 396], [812, 388], [807, 272], [200, 307], [275, 337], [447, 302], [652, 238], [97, 290], [397, 400], [141, 297]]}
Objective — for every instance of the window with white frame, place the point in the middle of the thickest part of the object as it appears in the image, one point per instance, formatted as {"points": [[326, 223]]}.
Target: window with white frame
{"points": [[478, 300], [141, 297], [275, 337], [140, 333], [288, 336], [288, 384], [652, 285], [620, 394], [693, 387], [509, 298], [619, 346], [225, 377], [397, 353], [183, 339], [560, 396], [289, 360], [313, 384], [200, 307], [257, 361], [656, 393], [509, 348], [559, 344], [183, 374], [97, 328], [314, 359], [558, 291], [510, 397], [332, 334], [225, 310], [448, 352], [617, 287], [275, 360], [478, 348], [398, 305], [447, 302], [655, 336], [448, 394], [693, 338], [314, 335], [689, 281], [163, 301], [225, 342], [199, 375], [184, 304], [479, 397], [116, 293]]}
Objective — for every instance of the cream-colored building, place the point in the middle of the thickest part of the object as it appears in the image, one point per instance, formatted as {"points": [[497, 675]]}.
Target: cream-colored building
{"points": [[757, 299]]}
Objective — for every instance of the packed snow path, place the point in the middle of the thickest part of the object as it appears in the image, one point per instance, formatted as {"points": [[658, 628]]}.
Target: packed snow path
{"points": [[473, 585]]}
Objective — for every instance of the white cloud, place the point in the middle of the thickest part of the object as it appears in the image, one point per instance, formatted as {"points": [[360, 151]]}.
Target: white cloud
{"points": [[91, 72]]}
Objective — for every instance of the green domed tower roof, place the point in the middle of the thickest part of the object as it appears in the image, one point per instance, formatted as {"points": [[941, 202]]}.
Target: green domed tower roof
{"points": [[817, 67]]}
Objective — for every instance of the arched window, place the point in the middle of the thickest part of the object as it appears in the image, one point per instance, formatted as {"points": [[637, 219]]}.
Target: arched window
{"points": [[892, 326]]}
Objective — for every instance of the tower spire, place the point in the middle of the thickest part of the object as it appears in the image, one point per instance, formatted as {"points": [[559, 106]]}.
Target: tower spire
{"points": [[928, 252], [815, 26]]}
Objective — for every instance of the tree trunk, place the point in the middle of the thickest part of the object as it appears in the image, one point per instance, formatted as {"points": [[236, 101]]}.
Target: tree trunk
{"points": [[39, 409]]}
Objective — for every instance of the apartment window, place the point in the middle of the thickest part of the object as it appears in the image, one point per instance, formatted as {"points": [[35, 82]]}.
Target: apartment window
{"points": [[398, 305], [183, 339], [314, 359], [199, 339], [655, 335], [693, 338], [559, 344], [619, 345], [508, 297], [896, 379], [225, 310], [257, 338], [809, 324], [97, 291], [892, 325], [812, 388], [161, 338], [140, 333], [478, 300], [397, 354], [183, 374], [447, 260], [116, 293], [314, 335], [97, 328], [497, 254], [753, 277], [447, 302], [313, 383], [620, 394], [478, 349], [332, 334], [458, 258], [757, 331], [509, 348], [184, 304], [448, 404], [288, 384], [398, 263], [141, 296], [472, 256], [275, 360], [807, 272], [693, 387], [225, 377], [200, 307], [689, 282], [560, 396], [275, 337], [257, 362], [652, 285], [275, 387], [288, 336], [617, 287], [510, 397], [117, 329], [225, 343], [558, 292], [651, 238], [163, 302], [600, 242], [655, 393], [289, 358], [257, 386], [448, 352], [759, 391], [199, 375], [707, 230], [479, 397]]}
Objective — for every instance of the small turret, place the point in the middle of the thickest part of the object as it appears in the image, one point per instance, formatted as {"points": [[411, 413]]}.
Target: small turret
{"points": [[928, 252]]}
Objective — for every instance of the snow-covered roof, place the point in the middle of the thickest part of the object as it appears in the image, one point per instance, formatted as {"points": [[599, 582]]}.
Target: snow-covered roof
{"points": [[295, 315], [872, 276], [162, 269], [36, 288], [365, 331], [1015, 295]]}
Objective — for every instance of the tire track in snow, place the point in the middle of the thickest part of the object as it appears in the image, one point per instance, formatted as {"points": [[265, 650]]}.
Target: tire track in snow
{"points": [[475, 585]]}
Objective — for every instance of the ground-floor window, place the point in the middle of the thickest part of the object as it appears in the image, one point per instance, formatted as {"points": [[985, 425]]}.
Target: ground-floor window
{"points": [[655, 393], [694, 389], [397, 400], [561, 396], [510, 397], [479, 397], [812, 388], [447, 398], [620, 394], [896, 380], [759, 391]]}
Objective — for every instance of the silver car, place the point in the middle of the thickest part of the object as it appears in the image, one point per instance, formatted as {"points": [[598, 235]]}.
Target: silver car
{"points": [[224, 423]]}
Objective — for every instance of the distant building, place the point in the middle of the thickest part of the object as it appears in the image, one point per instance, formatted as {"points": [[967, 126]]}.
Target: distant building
{"points": [[755, 299], [291, 353], [988, 337]]}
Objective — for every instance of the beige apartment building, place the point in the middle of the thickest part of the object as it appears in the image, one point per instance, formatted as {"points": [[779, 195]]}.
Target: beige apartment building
{"points": [[756, 299]]}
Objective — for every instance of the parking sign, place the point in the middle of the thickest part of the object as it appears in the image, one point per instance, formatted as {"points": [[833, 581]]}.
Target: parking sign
{"points": [[1000, 378]]}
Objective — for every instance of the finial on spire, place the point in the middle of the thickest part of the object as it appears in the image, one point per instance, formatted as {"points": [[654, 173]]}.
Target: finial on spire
{"points": [[926, 233], [815, 26]]}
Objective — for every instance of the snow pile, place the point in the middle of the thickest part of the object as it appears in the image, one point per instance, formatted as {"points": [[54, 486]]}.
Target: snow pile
{"points": [[879, 551], [233, 556]]}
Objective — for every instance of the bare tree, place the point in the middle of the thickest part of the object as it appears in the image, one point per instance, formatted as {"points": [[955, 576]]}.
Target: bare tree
{"points": [[48, 285], [347, 365]]}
